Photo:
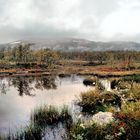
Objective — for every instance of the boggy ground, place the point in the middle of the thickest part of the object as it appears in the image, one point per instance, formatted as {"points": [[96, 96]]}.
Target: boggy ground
{"points": [[118, 110], [65, 68]]}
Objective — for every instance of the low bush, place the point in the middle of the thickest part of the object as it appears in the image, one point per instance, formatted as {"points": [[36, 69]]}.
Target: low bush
{"points": [[128, 120]]}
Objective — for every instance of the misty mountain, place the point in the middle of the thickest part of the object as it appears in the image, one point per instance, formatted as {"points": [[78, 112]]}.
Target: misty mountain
{"points": [[71, 44]]}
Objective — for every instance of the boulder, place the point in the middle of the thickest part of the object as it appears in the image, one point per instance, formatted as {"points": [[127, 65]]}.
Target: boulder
{"points": [[103, 118]]}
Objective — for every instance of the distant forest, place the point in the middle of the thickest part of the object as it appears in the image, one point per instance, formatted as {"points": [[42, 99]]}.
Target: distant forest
{"points": [[23, 55]]}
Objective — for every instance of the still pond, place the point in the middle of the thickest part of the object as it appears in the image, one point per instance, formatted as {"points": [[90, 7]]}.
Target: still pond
{"points": [[19, 96]]}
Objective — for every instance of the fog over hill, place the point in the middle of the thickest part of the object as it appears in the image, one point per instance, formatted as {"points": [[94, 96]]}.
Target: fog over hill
{"points": [[71, 44]]}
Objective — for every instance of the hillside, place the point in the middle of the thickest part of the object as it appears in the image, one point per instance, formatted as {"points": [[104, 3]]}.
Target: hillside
{"points": [[71, 44]]}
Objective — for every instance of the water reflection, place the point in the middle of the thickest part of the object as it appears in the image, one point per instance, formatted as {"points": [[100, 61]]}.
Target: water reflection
{"points": [[4, 85], [25, 85], [22, 85], [45, 83]]}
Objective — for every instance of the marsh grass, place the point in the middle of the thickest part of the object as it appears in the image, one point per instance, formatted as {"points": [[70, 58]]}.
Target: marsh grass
{"points": [[94, 101], [90, 101], [42, 118], [49, 115], [45, 115]]}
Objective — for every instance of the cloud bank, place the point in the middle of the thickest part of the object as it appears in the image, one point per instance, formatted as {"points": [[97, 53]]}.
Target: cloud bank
{"points": [[108, 20]]}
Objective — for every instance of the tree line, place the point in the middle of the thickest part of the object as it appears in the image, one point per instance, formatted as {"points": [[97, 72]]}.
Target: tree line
{"points": [[128, 59], [23, 54]]}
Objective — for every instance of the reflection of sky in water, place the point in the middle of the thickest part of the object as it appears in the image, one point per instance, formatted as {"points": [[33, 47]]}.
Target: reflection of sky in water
{"points": [[15, 110]]}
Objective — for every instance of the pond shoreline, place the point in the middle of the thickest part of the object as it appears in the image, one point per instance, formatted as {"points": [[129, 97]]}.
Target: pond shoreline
{"points": [[61, 73]]}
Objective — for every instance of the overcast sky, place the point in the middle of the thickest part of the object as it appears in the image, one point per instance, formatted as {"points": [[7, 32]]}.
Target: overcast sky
{"points": [[98, 20]]}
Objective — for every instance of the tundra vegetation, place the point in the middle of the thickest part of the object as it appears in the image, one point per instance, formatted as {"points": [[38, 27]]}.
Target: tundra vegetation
{"points": [[124, 106], [106, 63]]}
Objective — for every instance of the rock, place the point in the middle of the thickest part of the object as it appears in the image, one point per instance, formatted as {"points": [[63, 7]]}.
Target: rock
{"points": [[90, 82], [106, 84], [103, 118]]}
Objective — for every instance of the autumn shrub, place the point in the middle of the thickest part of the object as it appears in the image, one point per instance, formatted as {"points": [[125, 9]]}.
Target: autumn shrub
{"points": [[131, 110], [134, 93], [82, 131], [128, 119], [125, 126]]}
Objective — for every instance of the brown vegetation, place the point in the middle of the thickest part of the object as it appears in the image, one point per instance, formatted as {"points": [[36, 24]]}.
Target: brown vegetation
{"points": [[23, 60]]}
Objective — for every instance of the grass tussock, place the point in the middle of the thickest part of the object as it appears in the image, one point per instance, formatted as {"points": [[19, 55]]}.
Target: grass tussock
{"points": [[49, 115], [90, 101], [94, 101]]}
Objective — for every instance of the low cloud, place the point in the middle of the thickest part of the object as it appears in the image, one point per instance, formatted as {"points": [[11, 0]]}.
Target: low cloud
{"points": [[91, 19]]}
